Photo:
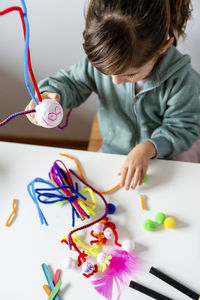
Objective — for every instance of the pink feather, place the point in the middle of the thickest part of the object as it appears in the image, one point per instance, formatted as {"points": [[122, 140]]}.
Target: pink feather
{"points": [[122, 268], [104, 286]]}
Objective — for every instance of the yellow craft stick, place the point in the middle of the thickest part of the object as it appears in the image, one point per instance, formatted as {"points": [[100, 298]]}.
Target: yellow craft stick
{"points": [[14, 205], [142, 202], [47, 289]]}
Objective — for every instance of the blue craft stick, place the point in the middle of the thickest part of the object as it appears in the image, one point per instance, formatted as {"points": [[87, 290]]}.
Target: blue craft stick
{"points": [[49, 279]]}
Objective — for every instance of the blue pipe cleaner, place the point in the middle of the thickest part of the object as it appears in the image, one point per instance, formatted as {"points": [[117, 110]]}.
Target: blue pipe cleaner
{"points": [[32, 194], [39, 193], [26, 47]]}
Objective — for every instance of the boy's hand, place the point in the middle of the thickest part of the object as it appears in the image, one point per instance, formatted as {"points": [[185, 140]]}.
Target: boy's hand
{"points": [[32, 105], [136, 164]]}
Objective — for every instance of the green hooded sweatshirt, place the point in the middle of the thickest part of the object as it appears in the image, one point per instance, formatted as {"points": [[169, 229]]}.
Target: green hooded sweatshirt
{"points": [[166, 111]]}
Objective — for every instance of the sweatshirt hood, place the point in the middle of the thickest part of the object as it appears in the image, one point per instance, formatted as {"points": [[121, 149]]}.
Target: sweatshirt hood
{"points": [[171, 62]]}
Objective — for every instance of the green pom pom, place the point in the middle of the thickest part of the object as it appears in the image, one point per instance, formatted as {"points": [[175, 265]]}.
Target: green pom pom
{"points": [[146, 178], [149, 225], [160, 218]]}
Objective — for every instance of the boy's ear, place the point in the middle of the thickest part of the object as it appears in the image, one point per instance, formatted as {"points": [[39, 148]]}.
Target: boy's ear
{"points": [[168, 43]]}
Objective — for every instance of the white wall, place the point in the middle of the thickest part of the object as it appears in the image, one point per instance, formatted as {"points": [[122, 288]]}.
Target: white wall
{"points": [[191, 45], [56, 42]]}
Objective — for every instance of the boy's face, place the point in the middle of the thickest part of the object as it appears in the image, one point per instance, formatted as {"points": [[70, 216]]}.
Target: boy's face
{"points": [[133, 74]]}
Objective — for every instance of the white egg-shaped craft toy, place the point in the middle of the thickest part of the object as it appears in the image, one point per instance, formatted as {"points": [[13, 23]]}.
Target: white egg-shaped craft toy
{"points": [[87, 268], [49, 113], [98, 227], [108, 233]]}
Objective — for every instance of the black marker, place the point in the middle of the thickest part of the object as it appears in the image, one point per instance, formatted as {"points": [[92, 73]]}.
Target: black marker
{"points": [[175, 284], [153, 294]]}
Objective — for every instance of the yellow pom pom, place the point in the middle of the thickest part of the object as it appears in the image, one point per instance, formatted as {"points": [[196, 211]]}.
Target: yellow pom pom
{"points": [[169, 223]]}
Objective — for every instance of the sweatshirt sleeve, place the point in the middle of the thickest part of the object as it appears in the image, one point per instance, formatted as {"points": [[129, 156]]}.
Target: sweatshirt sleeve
{"points": [[180, 124], [74, 86]]}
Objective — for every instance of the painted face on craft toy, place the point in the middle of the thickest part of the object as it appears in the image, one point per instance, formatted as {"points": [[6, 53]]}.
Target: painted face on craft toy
{"points": [[108, 233], [87, 268], [49, 113], [98, 227]]}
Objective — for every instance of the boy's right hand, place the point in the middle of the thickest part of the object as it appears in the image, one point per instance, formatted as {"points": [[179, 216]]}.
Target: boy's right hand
{"points": [[32, 105]]}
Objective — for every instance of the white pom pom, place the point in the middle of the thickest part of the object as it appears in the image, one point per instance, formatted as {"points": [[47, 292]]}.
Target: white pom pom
{"points": [[101, 258], [69, 263], [49, 113], [128, 245]]}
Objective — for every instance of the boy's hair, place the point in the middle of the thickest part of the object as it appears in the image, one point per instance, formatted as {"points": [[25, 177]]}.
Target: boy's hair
{"points": [[120, 34]]}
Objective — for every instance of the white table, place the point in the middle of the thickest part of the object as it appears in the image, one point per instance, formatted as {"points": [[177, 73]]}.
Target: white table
{"points": [[173, 188]]}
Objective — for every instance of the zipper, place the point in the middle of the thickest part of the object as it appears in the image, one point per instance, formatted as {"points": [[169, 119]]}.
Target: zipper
{"points": [[136, 118]]}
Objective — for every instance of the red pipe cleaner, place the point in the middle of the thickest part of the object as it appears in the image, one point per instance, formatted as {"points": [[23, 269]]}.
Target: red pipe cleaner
{"points": [[70, 240], [17, 8]]}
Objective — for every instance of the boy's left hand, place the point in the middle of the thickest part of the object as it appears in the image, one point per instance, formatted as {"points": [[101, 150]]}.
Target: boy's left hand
{"points": [[136, 164]]}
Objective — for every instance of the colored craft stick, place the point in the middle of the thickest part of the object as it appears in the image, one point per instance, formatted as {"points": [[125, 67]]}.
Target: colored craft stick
{"points": [[56, 276], [142, 202], [49, 279], [55, 290], [14, 205], [47, 289], [177, 285], [151, 293]]}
